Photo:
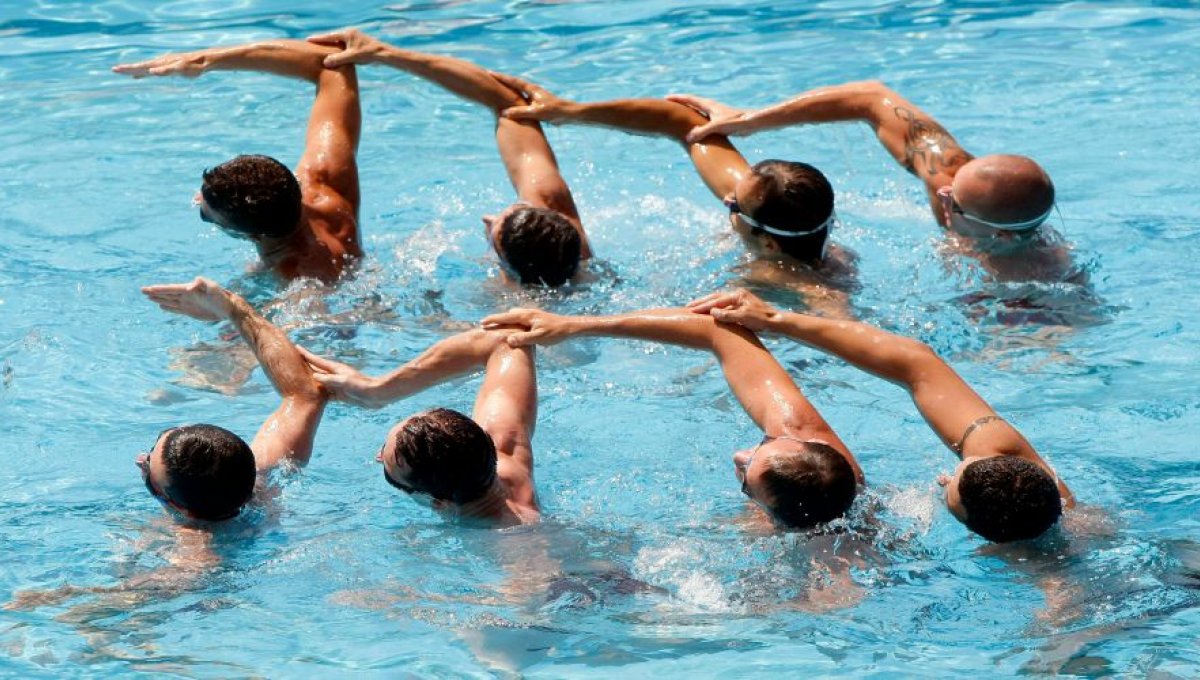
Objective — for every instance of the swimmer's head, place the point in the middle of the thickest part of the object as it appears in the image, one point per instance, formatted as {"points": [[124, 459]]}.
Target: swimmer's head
{"points": [[1003, 498], [997, 193], [203, 471], [252, 197], [536, 245], [799, 484], [791, 203], [441, 454]]}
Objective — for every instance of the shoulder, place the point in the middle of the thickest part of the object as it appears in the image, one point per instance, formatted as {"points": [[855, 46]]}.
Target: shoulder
{"points": [[328, 215]]}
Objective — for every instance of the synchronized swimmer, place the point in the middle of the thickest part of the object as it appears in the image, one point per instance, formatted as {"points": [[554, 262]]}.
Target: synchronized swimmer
{"points": [[802, 474]]}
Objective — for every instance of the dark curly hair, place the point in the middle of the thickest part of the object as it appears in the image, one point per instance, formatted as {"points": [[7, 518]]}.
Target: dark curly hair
{"points": [[211, 471], [541, 245], [796, 196], [258, 193], [449, 456], [1007, 498], [809, 485]]}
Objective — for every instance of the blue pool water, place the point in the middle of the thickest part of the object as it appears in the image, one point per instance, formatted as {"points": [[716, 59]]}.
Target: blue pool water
{"points": [[644, 564]]}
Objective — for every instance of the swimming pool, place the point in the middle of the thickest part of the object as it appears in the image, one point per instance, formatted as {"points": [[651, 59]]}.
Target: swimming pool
{"points": [[642, 566]]}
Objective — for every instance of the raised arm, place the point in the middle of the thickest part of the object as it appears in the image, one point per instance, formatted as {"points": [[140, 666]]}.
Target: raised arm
{"points": [[760, 383], [718, 163], [528, 158], [334, 125], [331, 143], [913, 137], [943, 398], [288, 433], [506, 408]]}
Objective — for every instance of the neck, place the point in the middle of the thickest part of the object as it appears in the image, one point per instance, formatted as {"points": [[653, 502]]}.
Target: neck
{"points": [[491, 505], [273, 250]]}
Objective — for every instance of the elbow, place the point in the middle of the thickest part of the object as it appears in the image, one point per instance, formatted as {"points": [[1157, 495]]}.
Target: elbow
{"points": [[310, 391], [478, 343], [874, 87], [877, 97], [920, 359]]}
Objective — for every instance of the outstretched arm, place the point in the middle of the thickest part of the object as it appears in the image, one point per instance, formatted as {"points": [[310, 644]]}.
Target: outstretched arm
{"points": [[719, 164], [444, 360], [291, 58], [288, 433], [913, 137], [759, 382], [944, 399], [528, 158], [336, 120]]}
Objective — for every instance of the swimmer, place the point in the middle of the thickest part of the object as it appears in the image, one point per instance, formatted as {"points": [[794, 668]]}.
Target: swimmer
{"points": [[782, 210], [540, 238], [478, 467], [1002, 489], [995, 202], [303, 224], [205, 472], [801, 474]]}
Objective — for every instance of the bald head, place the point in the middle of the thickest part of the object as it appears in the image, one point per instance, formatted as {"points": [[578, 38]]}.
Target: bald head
{"points": [[1004, 189]]}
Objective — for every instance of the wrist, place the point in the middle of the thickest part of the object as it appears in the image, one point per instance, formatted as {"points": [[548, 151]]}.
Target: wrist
{"points": [[376, 390], [584, 325], [572, 109], [780, 322], [232, 305]]}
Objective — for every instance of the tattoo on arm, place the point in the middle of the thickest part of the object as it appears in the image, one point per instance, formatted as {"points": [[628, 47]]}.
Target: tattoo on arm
{"points": [[928, 148]]}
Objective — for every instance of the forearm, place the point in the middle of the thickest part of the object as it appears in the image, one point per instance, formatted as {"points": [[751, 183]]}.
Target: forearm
{"points": [[851, 101], [671, 326], [291, 58], [459, 76], [655, 117], [446, 359], [876, 351], [283, 364]]}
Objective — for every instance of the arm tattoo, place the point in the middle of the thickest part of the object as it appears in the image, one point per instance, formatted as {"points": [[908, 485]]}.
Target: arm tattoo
{"points": [[928, 148]]}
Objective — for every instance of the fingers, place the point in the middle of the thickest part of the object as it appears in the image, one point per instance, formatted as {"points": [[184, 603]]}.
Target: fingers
{"points": [[332, 384], [318, 362], [340, 59], [164, 292], [700, 104], [713, 301], [163, 288], [327, 380], [726, 315], [331, 39], [701, 131], [515, 83], [703, 301], [525, 339], [513, 317], [136, 70], [520, 113]]}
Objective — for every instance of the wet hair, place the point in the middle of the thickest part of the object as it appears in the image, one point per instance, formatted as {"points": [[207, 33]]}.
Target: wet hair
{"points": [[541, 245], [211, 471], [811, 485], [1007, 498], [448, 455], [258, 193], [796, 196]]}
